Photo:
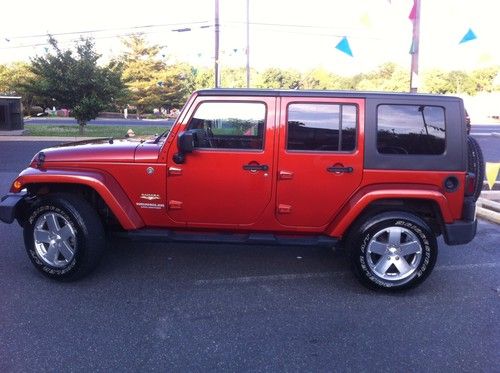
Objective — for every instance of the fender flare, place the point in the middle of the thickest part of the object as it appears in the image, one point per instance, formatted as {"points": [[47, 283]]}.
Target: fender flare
{"points": [[364, 197], [101, 182]]}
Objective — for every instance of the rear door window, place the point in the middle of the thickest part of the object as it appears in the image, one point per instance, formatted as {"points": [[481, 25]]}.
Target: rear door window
{"points": [[321, 127]]}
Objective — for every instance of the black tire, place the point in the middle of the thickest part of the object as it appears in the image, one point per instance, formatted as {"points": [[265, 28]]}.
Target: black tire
{"points": [[86, 238], [475, 164], [372, 235]]}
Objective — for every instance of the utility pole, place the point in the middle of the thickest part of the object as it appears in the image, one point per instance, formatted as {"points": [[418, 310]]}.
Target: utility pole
{"points": [[415, 17], [216, 67], [248, 43]]}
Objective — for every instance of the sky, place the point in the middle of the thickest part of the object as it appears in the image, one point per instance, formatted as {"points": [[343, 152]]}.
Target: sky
{"points": [[286, 34]]}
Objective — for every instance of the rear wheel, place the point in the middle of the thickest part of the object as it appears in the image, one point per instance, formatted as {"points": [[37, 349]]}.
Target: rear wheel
{"points": [[64, 237], [393, 251]]}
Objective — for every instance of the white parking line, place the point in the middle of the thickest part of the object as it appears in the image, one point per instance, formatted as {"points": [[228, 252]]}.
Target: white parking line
{"points": [[454, 267], [312, 275], [287, 276]]}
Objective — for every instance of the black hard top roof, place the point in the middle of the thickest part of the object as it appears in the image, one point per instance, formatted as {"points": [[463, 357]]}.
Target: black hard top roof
{"points": [[313, 93]]}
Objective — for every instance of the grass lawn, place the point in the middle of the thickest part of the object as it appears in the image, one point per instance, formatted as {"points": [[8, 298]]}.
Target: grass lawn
{"points": [[91, 131]]}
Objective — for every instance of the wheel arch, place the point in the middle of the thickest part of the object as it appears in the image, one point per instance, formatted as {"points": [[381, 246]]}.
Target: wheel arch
{"points": [[429, 205], [99, 188]]}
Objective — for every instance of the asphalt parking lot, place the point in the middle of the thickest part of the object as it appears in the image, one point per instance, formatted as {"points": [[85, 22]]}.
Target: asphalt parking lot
{"points": [[199, 307]]}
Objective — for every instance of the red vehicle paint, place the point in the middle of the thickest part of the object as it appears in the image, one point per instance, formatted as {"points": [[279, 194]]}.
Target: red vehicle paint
{"points": [[267, 166]]}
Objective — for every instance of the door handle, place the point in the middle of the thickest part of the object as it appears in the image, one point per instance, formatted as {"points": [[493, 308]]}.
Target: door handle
{"points": [[340, 169], [256, 167]]}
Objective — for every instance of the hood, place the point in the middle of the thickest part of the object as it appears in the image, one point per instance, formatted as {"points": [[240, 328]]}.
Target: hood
{"points": [[95, 150]]}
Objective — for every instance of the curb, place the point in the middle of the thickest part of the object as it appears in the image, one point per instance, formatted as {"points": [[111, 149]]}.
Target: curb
{"points": [[488, 207], [45, 138]]}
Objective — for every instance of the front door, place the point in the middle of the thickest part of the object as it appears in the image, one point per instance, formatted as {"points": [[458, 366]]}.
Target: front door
{"points": [[227, 179], [321, 158]]}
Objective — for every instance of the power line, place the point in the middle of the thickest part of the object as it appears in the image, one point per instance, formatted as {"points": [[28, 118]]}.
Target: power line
{"points": [[272, 27], [280, 25], [105, 30], [97, 37]]}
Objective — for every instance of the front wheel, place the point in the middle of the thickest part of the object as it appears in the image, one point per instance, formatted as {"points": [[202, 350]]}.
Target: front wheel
{"points": [[393, 251], [64, 237]]}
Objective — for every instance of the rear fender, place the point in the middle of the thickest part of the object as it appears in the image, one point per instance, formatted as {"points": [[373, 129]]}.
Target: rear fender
{"points": [[364, 197], [103, 183]]}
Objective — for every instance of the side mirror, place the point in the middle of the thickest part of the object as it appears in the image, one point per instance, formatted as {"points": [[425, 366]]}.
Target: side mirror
{"points": [[185, 144]]}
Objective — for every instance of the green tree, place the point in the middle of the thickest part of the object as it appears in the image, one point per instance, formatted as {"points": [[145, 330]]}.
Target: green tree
{"points": [[4, 82], [461, 82], [87, 109], [387, 77], [278, 78], [73, 79], [234, 77], [141, 73], [436, 81], [151, 81], [322, 79], [176, 84], [443, 82], [203, 78], [230, 78], [484, 79], [13, 81]]}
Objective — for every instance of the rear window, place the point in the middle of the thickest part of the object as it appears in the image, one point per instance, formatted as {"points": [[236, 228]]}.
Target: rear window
{"points": [[411, 129]]}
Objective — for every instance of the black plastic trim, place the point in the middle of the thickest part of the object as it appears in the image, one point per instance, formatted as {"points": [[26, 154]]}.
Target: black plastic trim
{"points": [[460, 232], [469, 209], [8, 206], [453, 159], [166, 235], [317, 93]]}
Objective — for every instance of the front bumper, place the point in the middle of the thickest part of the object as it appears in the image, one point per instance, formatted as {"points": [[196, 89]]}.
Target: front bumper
{"points": [[8, 206]]}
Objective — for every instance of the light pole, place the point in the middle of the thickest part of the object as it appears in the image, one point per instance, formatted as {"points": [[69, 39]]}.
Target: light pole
{"points": [[248, 43], [414, 80], [216, 67]]}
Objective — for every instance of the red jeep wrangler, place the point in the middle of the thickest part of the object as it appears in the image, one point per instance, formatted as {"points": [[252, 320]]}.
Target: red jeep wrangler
{"points": [[381, 174]]}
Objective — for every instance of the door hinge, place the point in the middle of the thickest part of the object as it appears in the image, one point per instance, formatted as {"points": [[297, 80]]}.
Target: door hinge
{"points": [[172, 171], [174, 205], [284, 209], [286, 175]]}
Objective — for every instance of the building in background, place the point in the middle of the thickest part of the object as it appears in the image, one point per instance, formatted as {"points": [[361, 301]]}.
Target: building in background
{"points": [[11, 113]]}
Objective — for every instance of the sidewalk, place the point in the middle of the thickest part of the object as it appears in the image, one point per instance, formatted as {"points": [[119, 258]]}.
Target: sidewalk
{"points": [[42, 138]]}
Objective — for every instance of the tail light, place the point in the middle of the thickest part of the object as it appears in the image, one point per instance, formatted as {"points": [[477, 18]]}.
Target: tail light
{"points": [[470, 183]]}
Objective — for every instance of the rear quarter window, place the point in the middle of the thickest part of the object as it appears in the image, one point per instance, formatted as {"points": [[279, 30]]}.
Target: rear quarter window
{"points": [[411, 129]]}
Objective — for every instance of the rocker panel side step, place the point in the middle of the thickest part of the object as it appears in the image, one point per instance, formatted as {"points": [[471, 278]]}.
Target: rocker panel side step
{"points": [[166, 235]]}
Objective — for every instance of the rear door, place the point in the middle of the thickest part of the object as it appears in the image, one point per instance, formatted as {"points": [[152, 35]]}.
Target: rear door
{"points": [[321, 158], [226, 180]]}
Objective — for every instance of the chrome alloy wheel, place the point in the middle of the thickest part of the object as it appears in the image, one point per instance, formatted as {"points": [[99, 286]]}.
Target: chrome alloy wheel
{"points": [[394, 253], [55, 239]]}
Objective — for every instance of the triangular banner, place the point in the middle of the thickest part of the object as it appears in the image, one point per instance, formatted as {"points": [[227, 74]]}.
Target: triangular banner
{"points": [[413, 50], [492, 173], [413, 13], [470, 35], [365, 20], [343, 46]]}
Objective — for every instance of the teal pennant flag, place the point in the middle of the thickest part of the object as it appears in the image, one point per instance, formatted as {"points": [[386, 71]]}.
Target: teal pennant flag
{"points": [[468, 37], [343, 46]]}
